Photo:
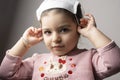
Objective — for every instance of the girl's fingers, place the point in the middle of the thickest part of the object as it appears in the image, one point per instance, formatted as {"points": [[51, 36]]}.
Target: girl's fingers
{"points": [[34, 31], [33, 35], [90, 18], [39, 30], [83, 22], [31, 30]]}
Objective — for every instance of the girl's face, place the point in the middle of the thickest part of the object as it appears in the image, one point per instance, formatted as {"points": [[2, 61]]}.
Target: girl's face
{"points": [[59, 33]]}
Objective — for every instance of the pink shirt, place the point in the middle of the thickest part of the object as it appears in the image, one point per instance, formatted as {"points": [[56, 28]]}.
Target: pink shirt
{"points": [[94, 64]]}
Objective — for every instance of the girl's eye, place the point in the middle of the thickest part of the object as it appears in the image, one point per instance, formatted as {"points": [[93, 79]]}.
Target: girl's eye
{"points": [[47, 32], [64, 30]]}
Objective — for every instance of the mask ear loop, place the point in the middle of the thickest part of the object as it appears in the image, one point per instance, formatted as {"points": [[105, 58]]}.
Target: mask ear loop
{"points": [[77, 20], [77, 6]]}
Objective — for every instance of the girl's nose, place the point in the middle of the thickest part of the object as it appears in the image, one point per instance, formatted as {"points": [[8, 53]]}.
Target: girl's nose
{"points": [[56, 38]]}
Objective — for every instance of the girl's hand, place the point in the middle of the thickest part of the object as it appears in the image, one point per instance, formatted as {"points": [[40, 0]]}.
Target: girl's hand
{"points": [[87, 25], [32, 36]]}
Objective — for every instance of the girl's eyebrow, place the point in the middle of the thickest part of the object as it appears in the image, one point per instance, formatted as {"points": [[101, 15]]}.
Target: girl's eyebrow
{"points": [[64, 26], [59, 27], [45, 28]]}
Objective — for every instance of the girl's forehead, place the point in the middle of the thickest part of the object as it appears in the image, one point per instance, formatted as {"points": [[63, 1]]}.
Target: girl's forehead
{"points": [[56, 19], [53, 12], [57, 15]]}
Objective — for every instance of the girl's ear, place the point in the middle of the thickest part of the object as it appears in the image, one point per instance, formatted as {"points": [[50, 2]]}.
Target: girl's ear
{"points": [[83, 22], [79, 29]]}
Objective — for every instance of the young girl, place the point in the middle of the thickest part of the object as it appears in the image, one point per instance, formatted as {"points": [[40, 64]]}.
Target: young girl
{"points": [[62, 23]]}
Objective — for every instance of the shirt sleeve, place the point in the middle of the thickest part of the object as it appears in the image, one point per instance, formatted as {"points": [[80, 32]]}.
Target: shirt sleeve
{"points": [[13, 68], [106, 60]]}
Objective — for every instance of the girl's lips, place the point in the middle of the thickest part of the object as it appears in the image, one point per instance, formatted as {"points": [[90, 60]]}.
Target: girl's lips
{"points": [[57, 47]]}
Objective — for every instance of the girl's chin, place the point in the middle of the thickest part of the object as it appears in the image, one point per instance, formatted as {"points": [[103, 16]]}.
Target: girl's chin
{"points": [[62, 52], [59, 53]]}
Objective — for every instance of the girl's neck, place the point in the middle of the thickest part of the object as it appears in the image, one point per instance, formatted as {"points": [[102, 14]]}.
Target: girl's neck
{"points": [[72, 52]]}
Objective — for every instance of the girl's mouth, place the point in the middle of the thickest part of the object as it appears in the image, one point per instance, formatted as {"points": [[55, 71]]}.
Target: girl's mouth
{"points": [[58, 47]]}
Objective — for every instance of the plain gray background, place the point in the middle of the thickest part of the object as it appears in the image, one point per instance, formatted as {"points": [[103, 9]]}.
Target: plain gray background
{"points": [[106, 13]]}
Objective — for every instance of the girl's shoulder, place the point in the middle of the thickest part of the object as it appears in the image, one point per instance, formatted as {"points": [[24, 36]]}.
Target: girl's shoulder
{"points": [[36, 56], [86, 52]]}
